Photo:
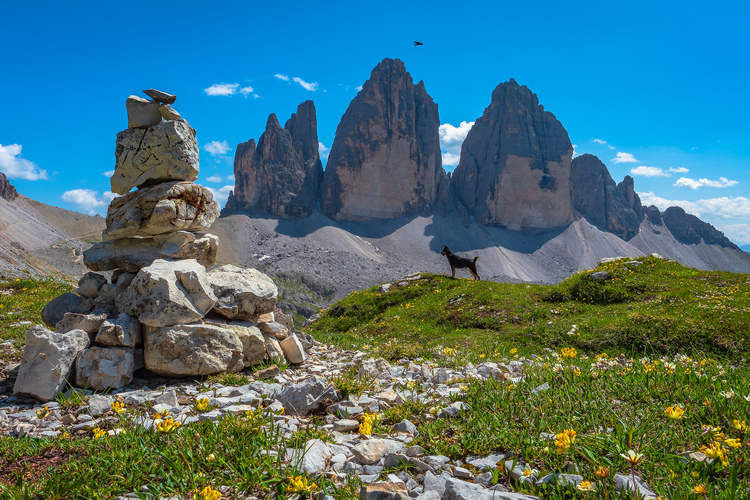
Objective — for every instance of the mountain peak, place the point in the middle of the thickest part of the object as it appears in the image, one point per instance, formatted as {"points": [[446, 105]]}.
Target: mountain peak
{"points": [[7, 190]]}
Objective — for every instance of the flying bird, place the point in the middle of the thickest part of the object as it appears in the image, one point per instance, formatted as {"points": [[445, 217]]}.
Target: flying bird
{"points": [[418, 43]]}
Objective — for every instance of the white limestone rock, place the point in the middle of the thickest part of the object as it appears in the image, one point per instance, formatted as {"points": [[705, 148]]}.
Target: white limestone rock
{"points": [[167, 151], [47, 360], [273, 349], [293, 350], [370, 451], [123, 331], [142, 113], [105, 368], [253, 342], [89, 323], [192, 350], [165, 208], [132, 254], [242, 293], [89, 284], [168, 292]]}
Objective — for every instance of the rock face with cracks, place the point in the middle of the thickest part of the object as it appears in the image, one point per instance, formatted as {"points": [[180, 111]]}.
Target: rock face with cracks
{"points": [[168, 293], [515, 164], [164, 208], [167, 151], [385, 161], [100, 368]]}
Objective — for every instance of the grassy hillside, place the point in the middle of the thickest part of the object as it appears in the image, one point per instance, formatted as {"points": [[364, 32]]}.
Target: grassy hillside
{"points": [[646, 306]]}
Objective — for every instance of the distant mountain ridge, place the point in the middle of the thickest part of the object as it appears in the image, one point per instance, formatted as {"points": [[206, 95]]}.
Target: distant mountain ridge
{"points": [[516, 169]]}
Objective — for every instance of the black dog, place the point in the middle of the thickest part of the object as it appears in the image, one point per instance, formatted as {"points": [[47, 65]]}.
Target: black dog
{"points": [[457, 262]]}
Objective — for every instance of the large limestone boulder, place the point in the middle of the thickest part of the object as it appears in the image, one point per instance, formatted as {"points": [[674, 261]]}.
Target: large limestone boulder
{"points": [[167, 151], [47, 360], [282, 176], [242, 293], [192, 350], [253, 342], [105, 368], [89, 323], [515, 164], [132, 254], [385, 161], [164, 208], [123, 331], [168, 292]]}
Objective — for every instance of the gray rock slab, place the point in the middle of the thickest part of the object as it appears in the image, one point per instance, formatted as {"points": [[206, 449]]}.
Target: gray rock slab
{"points": [[89, 323], [160, 96], [105, 368], [47, 361], [299, 399], [370, 451], [142, 113], [242, 293], [123, 331], [55, 310]]}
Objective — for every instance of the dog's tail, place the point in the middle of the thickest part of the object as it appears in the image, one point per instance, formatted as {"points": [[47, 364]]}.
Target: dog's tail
{"points": [[475, 259]]}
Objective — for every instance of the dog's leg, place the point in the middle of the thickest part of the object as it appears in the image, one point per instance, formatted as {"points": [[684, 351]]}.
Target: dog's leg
{"points": [[453, 272]]}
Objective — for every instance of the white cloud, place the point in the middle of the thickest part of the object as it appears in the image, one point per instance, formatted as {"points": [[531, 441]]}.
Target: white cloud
{"points": [[649, 171], [87, 199], [323, 151], [216, 148], [358, 87], [679, 170], [15, 167], [312, 87], [739, 233], [725, 207], [600, 141], [224, 89], [575, 153], [451, 139], [624, 158], [697, 184], [221, 194], [215, 178], [281, 77], [247, 91], [256, 96], [108, 173]]}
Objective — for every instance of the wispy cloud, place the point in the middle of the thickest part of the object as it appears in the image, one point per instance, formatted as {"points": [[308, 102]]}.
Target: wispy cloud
{"points": [[451, 139], [739, 233], [224, 89], [246, 91], [88, 200], [575, 153], [215, 178], [687, 182], [358, 87], [15, 167], [281, 77], [725, 207], [649, 171], [679, 170], [312, 87], [108, 173], [603, 142], [624, 158], [323, 151], [216, 148], [221, 194]]}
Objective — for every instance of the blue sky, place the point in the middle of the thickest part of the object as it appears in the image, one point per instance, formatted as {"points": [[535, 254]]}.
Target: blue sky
{"points": [[655, 91]]}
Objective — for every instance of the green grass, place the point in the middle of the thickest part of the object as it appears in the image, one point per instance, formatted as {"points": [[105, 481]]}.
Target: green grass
{"points": [[657, 307], [22, 300]]}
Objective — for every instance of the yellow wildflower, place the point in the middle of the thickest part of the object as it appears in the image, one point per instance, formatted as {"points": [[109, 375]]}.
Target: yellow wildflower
{"points": [[734, 442], [300, 484], [585, 486], [699, 490], [98, 433], [207, 493], [368, 420], [167, 426], [601, 472], [674, 412], [568, 352], [565, 440], [714, 450], [740, 426], [513, 351], [201, 405], [117, 407], [42, 412]]}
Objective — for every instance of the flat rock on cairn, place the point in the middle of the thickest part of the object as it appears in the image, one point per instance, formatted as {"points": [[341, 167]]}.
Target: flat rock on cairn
{"points": [[161, 311]]}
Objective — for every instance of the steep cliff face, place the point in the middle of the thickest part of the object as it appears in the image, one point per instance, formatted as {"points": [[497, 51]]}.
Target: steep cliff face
{"points": [[7, 190], [690, 229], [282, 174], [514, 169], [385, 161], [615, 208]]}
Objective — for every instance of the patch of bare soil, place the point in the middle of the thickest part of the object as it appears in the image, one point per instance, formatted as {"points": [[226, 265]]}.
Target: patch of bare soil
{"points": [[32, 468]]}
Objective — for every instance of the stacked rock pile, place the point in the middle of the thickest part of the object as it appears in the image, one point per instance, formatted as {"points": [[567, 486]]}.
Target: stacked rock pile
{"points": [[161, 309]]}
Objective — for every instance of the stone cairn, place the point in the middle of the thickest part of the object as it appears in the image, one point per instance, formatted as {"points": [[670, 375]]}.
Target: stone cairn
{"points": [[161, 309]]}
